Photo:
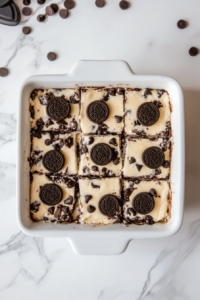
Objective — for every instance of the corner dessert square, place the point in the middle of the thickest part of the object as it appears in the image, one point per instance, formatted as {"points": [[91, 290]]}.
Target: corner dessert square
{"points": [[52, 198], [54, 153], [102, 110], [100, 201], [147, 112], [100, 156], [147, 158], [146, 202], [55, 110]]}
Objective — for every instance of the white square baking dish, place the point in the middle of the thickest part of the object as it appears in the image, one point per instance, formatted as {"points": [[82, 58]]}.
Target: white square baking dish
{"points": [[111, 239]]}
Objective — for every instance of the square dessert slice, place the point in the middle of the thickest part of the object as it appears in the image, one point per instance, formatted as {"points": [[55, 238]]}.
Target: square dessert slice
{"points": [[147, 158], [147, 112], [100, 201], [100, 156], [52, 198], [146, 201], [55, 110], [54, 153], [102, 110]]}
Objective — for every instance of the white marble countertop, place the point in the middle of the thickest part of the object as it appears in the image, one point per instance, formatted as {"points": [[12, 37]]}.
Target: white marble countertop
{"points": [[147, 38]]}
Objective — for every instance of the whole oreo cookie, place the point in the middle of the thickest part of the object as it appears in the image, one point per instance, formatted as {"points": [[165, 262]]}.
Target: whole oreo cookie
{"points": [[153, 157], [97, 111], [109, 205], [51, 194], [53, 161], [101, 154], [148, 114], [143, 203], [58, 108]]}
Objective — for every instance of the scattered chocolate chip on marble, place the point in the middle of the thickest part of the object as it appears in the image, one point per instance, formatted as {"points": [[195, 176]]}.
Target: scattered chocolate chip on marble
{"points": [[118, 119], [41, 18], [99, 3], [3, 72], [182, 24], [26, 2], [40, 2], [49, 11], [63, 13], [26, 30], [69, 4], [51, 56], [193, 51], [54, 6], [123, 4], [26, 11]]}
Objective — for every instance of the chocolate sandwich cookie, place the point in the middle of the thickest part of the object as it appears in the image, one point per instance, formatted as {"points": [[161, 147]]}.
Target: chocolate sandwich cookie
{"points": [[153, 157], [51, 194], [148, 114], [97, 111], [143, 203], [109, 205], [101, 154], [53, 161], [58, 108]]}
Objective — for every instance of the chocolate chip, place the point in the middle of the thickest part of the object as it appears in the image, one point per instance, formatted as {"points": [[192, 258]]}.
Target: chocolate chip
{"points": [[51, 56], [132, 160], [26, 2], [69, 142], [99, 3], [57, 213], [158, 104], [94, 168], [109, 205], [74, 124], [90, 140], [69, 200], [53, 161], [58, 109], [149, 220], [181, 24], [153, 192], [157, 171], [101, 154], [148, 114], [84, 149], [97, 111], [118, 119], [26, 11], [3, 72], [51, 210], [35, 206], [63, 13], [193, 51], [71, 184], [26, 30], [49, 11], [116, 161], [88, 198], [51, 194], [147, 92], [41, 18], [86, 170], [65, 209], [165, 164], [153, 157], [127, 192], [94, 186], [91, 208], [113, 142], [41, 1], [131, 211], [139, 167], [143, 203], [48, 142], [69, 4], [54, 6], [123, 4]]}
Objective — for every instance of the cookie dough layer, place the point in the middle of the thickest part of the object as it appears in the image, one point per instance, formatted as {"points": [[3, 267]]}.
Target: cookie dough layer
{"points": [[134, 148], [162, 205], [103, 186], [133, 99], [39, 210], [114, 98], [65, 143], [39, 118], [86, 164]]}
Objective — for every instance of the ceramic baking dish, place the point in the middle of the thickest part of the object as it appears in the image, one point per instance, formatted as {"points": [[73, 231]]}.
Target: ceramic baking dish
{"points": [[111, 239]]}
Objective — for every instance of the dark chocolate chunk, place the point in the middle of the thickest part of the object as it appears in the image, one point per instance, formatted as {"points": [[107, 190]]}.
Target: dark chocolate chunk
{"points": [[57, 213], [132, 160], [51, 210], [118, 119], [153, 157], [65, 209], [99, 3], [165, 164], [84, 149], [143, 203], [148, 114], [63, 13], [3, 72], [153, 192], [88, 198], [41, 1], [69, 200], [86, 170], [26, 30], [127, 192], [26, 11], [91, 209], [58, 109], [116, 161], [101, 154], [53, 161], [94, 186], [109, 205], [94, 168], [27, 2], [69, 142], [74, 124], [113, 142], [69, 4], [41, 18], [49, 11], [147, 92], [97, 111], [48, 142], [181, 24], [90, 140], [51, 56], [139, 167], [123, 4], [71, 184], [131, 211], [54, 6], [193, 51], [51, 194], [35, 206]]}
